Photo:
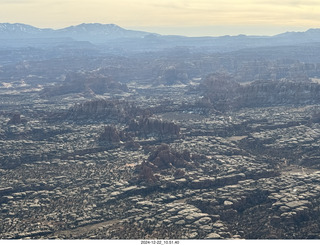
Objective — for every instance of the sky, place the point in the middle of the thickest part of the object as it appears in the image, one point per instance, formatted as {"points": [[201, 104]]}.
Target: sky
{"points": [[181, 17]]}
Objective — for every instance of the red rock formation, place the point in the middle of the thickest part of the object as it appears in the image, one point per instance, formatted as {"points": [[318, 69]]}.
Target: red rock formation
{"points": [[147, 127], [224, 93], [117, 110], [146, 173], [164, 157], [84, 82], [111, 135]]}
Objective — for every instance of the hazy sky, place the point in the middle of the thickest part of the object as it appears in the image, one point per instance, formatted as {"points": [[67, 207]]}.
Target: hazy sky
{"points": [[184, 17]]}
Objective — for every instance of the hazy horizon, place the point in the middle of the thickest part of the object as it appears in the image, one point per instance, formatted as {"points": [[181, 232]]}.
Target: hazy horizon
{"points": [[215, 31], [193, 31], [180, 17]]}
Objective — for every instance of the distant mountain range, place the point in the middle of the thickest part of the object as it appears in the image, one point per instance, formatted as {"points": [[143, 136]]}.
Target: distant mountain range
{"points": [[83, 32], [117, 37]]}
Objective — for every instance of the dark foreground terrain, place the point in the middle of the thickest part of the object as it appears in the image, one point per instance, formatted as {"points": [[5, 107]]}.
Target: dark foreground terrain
{"points": [[172, 144]]}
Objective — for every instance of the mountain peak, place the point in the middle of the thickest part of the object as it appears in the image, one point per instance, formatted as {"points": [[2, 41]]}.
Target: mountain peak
{"points": [[93, 28], [313, 30], [93, 32], [97, 32], [17, 27]]}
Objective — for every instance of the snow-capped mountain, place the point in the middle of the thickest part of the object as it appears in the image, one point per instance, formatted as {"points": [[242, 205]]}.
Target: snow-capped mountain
{"points": [[17, 30], [108, 30], [118, 38], [94, 32]]}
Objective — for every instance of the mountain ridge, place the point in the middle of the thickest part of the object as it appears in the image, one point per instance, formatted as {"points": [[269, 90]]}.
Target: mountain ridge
{"points": [[116, 37], [81, 32], [109, 28]]}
